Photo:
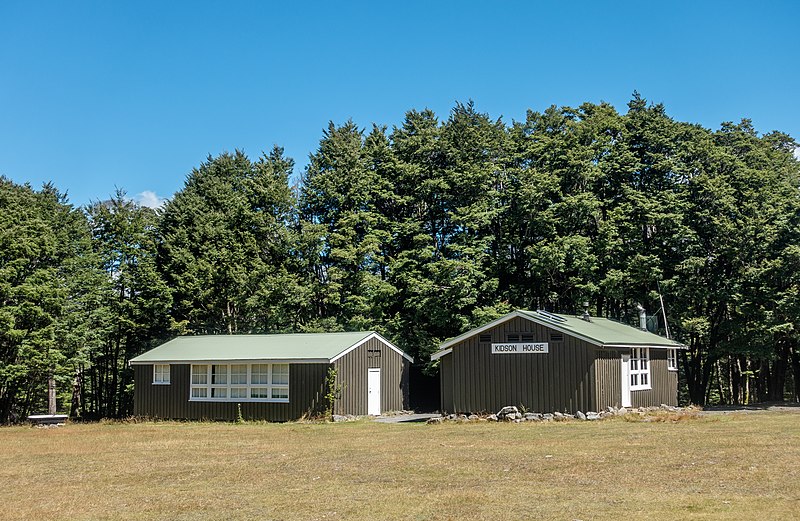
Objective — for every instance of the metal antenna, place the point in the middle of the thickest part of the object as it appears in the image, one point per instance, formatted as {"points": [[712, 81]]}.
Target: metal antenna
{"points": [[663, 310]]}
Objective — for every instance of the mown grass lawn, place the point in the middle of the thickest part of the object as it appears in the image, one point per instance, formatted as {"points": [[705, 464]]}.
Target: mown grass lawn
{"points": [[721, 467]]}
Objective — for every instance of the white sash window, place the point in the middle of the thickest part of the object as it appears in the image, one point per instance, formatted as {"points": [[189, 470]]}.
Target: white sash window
{"points": [[240, 382], [161, 374], [640, 368], [672, 359]]}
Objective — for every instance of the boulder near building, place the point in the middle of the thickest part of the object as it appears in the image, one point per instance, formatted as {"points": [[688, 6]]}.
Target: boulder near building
{"points": [[547, 362], [270, 377]]}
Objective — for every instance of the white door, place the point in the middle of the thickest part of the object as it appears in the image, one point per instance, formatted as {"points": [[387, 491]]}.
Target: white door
{"points": [[626, 380], [374, 392]]}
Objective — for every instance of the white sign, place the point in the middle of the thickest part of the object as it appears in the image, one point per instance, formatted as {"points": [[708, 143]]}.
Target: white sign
{"points": [[520, 348]]}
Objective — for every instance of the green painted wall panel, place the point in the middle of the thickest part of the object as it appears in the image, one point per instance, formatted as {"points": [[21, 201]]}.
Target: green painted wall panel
{"points": [[664, 383], [353, 369], [306, 393], [560, 380]]}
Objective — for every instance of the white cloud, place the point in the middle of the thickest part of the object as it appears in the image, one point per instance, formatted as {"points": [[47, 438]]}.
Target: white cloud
{"points": [[150, 199], [797, 153]]}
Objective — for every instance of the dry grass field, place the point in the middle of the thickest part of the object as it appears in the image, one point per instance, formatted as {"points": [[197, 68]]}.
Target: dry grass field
{"points": [[739, 466]]}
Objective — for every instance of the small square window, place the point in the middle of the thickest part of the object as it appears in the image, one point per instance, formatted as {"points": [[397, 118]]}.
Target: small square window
{"points": [[259, 374], [259, 392], [280, 374], [199, 374], [219, 374], [238, 392], [161, 374], [239, 374], [672, 359]]}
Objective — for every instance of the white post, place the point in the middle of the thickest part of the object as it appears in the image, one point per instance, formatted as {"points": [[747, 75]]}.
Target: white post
{"points": [[51, 392]]}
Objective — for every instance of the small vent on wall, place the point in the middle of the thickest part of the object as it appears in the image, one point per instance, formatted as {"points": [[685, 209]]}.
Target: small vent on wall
{"points": [[527, 337], [485, 339], [512, 337], [373, 358], [556, 337]]}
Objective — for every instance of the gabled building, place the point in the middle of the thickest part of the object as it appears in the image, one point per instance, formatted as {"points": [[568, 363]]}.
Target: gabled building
{"points": [[270, 377], [547, 362]]}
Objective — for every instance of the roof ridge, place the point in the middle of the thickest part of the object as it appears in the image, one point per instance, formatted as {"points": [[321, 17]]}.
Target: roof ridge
{"points": [[320, 347], [228, 335]]}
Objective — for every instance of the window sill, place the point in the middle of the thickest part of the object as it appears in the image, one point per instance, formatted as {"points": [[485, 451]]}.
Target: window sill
{"points": [[642, 388], [161, 383]]}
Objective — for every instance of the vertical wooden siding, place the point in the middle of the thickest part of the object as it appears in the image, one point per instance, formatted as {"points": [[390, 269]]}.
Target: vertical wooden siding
{"points": [[306, 394], [664, 383], [352, 375], [608, 378], [446, 383], [561, 380]]}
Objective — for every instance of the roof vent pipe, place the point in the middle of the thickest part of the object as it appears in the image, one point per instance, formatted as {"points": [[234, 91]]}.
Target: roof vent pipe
{"points": [[642, 317], [586, 315]]}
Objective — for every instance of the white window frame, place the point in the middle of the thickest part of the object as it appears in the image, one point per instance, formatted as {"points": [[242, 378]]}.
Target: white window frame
{"points": [[672, 359], [159, 374], [640, 369], [208, 386]]}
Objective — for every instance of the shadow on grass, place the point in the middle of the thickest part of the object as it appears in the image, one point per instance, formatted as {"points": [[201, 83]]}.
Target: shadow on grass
{"points": [[766, 406]]}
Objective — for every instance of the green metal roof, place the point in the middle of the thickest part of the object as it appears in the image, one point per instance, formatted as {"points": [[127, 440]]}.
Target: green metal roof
{"points": [[319, 347], [603, 331], [600, 331]]}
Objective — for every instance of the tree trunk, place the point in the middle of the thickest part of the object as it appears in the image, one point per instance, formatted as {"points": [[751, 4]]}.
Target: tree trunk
{"points": [[777, 377], [796, 372], [697, 373], [113, 388], [735, 372], [77, 389], [743, 383], [95, 385], [723, 398], [763, 381], [748, 394], [7, 403]]}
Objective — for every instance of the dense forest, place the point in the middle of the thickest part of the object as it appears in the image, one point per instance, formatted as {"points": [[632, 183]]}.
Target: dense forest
{"points": [[421, 232]]}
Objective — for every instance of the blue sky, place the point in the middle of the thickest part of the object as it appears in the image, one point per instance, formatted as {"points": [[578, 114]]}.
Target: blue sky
{"points": [[98, 95]]}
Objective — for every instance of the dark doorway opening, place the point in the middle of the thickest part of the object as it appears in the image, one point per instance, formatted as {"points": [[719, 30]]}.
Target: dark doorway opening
{"points": [[424, 392]]}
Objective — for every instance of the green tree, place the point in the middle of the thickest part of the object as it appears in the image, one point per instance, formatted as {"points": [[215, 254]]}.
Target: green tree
{"points": [[136, 302], [447, 180], [341, 196], [226, 242], [48, 277]]}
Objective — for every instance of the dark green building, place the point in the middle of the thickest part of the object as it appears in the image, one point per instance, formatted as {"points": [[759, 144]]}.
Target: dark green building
{"points": [[270, 377], [547, 362]]}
